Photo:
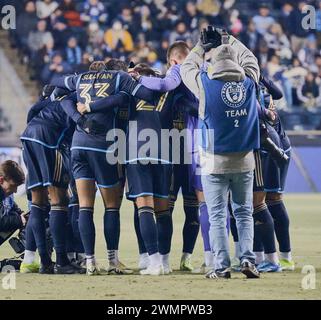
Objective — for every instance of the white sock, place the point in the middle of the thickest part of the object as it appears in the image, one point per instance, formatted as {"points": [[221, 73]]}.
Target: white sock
{"points": [[71, 255], [259, 256], [29, 257], [286, 255], [186, 255], [144, 256], [209, 258], [272, 257], [165, 259], [112, 256], [237, 250], [90, 260], [155, 260]]}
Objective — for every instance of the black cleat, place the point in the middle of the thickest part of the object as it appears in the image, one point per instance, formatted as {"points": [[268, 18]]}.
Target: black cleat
{"points": [[78, 267], [224, 273], [47, 269], [67, 269], [249, 270]]}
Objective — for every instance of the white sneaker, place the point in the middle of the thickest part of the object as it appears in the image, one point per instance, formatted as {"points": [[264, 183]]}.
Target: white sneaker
{"points": [[92, 269], [167, 269], [143, 262], [153, 270], [203, 269], [118, 268]]}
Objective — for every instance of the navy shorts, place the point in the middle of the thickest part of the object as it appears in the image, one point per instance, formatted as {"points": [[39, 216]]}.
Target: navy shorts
{"points": [[148, 180], [181, 178], [274, 174], [268, 175], [93, 165], [46, 166], [72, 192], [258, 183]]}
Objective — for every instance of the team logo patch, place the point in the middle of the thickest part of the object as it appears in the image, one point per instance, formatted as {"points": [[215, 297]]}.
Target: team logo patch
{"points": [[233, 94]]}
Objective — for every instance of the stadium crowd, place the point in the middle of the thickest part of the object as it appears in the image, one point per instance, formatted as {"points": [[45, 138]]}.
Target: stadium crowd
{"points": [[60, 37]]}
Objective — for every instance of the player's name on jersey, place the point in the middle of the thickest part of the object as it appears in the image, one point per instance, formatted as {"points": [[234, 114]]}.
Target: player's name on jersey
{"points": [[93, 76], [236, 113]]}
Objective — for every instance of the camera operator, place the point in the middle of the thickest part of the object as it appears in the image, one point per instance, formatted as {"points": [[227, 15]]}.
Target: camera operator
{"points": [[228, 106], [11, 216]]}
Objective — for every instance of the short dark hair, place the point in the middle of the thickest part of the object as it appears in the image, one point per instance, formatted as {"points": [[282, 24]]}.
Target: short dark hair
{"points": [[116, 64], [98, 66], [178, 47], [11, 170], [145, 70]]}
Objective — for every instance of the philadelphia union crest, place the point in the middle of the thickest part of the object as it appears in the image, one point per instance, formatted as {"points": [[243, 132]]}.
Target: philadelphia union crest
{"points": [[233, 94]]}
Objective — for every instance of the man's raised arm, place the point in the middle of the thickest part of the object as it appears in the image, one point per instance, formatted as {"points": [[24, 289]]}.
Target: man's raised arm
{"points": [[171, 81], [246, 59]]}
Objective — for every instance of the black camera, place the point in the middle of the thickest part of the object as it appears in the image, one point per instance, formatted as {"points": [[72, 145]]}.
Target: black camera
{"points": [[213, 37], [277, 154], [10, 262], [17, 245]]}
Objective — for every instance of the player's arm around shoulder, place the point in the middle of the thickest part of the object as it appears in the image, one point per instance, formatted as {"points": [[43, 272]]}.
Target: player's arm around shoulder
{"points": [[246, 59], [190, 70]]}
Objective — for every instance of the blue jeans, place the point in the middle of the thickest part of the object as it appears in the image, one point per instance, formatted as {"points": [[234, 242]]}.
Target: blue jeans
{"points": [[216, 188]]}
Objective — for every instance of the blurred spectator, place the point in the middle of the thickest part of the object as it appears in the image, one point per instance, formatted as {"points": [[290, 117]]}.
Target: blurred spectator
{"points": [[127, 19], [55, 68], [318, 24], [71, 15], [298, 34], [309, 92], [26, 22], [146, 23], [263, 55], [307, 54], [209, 7], [162, 51], [236, 24], [202, 24], [263, 20], [279, 42], [154, 62], [73, 52], [37, 39], [191, 15], [60, 29], [116, 38], [252, 38], [95, 38], [180, 33], [45, 8], [285, 17], [276, 72], [94, 11], [318, 64], [40, 58], [86, 60], [296, 74]]}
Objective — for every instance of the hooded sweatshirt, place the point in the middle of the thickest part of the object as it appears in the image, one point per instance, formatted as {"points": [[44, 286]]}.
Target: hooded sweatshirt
{"points": [[226, 65]]}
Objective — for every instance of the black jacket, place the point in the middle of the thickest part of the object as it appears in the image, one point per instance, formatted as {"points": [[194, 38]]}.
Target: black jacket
{"points": [[9, 221]]}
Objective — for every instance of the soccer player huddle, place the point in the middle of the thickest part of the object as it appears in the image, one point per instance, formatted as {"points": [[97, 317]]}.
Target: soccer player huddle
{"points": [[111, 129]]}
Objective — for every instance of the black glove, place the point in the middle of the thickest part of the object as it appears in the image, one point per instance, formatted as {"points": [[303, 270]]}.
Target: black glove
{"points": [[211, 37]]}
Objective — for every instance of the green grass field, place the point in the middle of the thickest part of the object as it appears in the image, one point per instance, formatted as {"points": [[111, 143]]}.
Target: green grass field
{"points": [[305, 212]]}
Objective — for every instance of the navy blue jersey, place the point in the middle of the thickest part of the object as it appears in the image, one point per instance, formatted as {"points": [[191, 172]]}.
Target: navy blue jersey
{"points": [[90, 87], [50, 126], [156, 116]]}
